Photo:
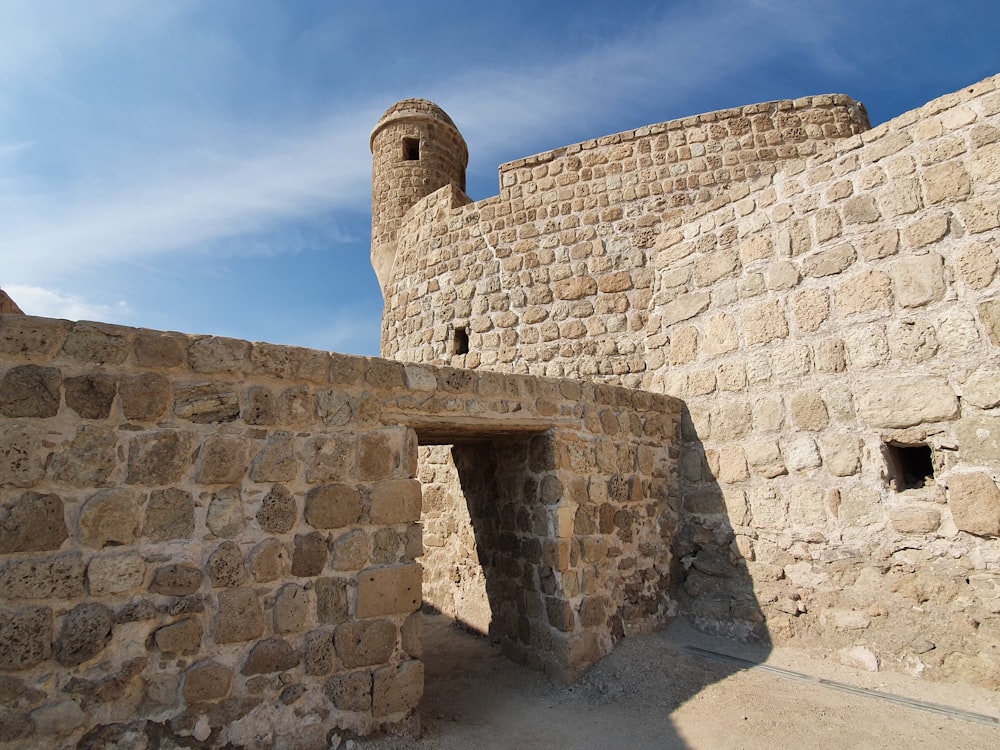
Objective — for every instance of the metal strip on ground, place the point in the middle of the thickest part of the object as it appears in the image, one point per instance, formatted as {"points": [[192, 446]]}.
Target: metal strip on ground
{"points": [[955, 713]]}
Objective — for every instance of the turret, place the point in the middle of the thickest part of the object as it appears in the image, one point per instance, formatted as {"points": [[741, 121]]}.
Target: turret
{"points": [[416, 149]]}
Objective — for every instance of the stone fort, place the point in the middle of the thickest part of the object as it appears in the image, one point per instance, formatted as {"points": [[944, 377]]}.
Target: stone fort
{"points": [[742, 367]]}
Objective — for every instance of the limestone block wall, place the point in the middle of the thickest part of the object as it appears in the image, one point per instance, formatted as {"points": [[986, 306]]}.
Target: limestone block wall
{"points": [[834, 337], [208, 541], [831, 323], [559, 266]]}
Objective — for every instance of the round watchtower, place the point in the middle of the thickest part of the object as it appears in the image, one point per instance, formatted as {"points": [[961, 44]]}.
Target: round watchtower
{"points": [[416, 149]]}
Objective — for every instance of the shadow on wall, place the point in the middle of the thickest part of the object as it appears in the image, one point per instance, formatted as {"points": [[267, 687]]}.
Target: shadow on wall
{"points": [[610, 584]]}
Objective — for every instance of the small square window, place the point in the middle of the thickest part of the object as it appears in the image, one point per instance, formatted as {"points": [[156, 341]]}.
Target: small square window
{"points": [[411, 149], [910, 466], [460, 342]]}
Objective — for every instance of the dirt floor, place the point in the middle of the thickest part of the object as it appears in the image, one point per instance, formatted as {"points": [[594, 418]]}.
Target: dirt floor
{"points": [[660, 692]]}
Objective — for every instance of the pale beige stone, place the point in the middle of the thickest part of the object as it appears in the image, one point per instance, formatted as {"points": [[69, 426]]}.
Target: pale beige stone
{"points": [[811, 308], [732, 464], [720, 334], [863, 292], [979, 439], [946, 182], [982, 389], [841, 454], [389, 591], [974, 501], [781, 274], [765, 322], [906, 401], [918, 281], [764, 459], [828, 262], [977, 265], [808, 411], [684, 345]]}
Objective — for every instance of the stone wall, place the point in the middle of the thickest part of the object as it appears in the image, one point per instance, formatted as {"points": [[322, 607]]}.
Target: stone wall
{"points": [[208, 540], [831, 320]]}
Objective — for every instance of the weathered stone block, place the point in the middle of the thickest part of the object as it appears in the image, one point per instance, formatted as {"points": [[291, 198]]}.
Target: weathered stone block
{"points": [[365, 642], [57, 576], [860, 505], [915, 519], [158, 458], [270, 560], [239, 616], [379, 455], [96, 343], [225, 566], [332, 606], [841, 454], [88, 460], [85, 633], [860, 209], [863, 292], [800, 452], [90, 396], [214, 354], [260, 407], [764, 459], [329, 458], [207, 681], [765, 322], [808, 411], [33, 523], [974, 500], [349, 551], [290, 362], [905, 402], [279, 511], [397, 688], [276, 462], [982, 389], [389, 591], [109, 517], [684, 307], [291, 608], [351, 691], [333, 506], [919, 280], [977, 265], [158, 349], [395, 501], [989, 313], [176, 579], [181, 637], [828, 262], [115, 573], [334, 408], [30, 391], [22, 335], [318, 651], [225, 513], [270, 655], [310, 555], [26, 635], [946, 182], [223, 460], [205, 404], [169, 515]]}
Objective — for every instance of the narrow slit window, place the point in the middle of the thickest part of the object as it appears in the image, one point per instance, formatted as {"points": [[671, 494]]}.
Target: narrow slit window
{"points": [[460, 343], [911, 466], [411, 149]]}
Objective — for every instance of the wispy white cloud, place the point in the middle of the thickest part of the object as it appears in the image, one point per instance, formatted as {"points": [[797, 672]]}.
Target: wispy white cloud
{"points": [[52, 303]]}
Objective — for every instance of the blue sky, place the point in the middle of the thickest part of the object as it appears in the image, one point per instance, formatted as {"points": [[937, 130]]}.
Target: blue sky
{"points": [[203, 165]]}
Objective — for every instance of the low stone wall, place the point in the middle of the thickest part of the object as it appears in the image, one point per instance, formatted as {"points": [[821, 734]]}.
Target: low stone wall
{"points": [[209, 540]]}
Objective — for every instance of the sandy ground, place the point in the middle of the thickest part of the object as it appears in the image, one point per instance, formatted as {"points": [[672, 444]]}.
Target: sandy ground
{"points": [[655, 692]]}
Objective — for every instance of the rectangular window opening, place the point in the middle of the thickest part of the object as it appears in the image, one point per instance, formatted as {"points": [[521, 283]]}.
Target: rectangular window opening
{"points": [[460, 343], [910, 466], [411, 149]]}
